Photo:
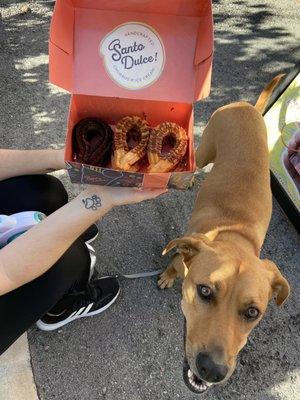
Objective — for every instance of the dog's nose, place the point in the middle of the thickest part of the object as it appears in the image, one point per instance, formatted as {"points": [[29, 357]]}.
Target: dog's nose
{"points": [[209, 370]]}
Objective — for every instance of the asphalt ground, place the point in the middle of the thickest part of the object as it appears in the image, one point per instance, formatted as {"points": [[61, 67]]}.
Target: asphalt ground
{"points": [[134, 351]]}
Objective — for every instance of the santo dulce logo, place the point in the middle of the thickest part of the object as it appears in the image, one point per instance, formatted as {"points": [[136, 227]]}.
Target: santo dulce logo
{"points": [[133, 55]]}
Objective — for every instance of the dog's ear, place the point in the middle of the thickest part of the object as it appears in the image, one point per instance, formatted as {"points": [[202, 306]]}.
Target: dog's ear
{"points": [[279, 284], [187, 246]]}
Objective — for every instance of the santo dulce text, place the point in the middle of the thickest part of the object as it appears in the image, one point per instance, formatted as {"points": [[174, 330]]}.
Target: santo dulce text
{"points": [[123, 54]]}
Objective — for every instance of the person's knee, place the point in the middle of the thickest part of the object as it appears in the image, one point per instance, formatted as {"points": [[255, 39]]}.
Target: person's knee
{"points": [[53, 193], [72, 269], [43, 193], [46, 193]]}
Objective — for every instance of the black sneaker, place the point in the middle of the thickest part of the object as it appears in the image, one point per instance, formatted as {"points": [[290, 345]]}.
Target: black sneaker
{"points": [[90, 234], [98, 296]]}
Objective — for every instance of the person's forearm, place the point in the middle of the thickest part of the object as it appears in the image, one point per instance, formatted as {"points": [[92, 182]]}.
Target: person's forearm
{"points": [[29, 162], [33, 253]]}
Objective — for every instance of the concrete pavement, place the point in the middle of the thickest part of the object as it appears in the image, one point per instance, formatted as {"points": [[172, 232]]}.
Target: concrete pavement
{"points": [[16, 377]]}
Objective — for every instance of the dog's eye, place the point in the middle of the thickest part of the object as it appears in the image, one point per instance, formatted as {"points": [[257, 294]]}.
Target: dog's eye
{"points": [[205, 292], [252, 313]]}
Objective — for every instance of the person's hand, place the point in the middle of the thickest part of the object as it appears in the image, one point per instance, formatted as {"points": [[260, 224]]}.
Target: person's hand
{"points": [[120, 196], [117, 196]]}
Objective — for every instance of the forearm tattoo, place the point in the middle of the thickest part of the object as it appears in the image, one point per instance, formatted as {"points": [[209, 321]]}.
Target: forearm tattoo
{"points": [[92, 203]]}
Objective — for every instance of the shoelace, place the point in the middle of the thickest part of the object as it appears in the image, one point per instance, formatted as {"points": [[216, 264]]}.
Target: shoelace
{"points": [[75, 299], [78, 299], [89, 295]]}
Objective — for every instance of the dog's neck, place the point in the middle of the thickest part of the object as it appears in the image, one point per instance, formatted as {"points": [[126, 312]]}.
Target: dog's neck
{"points": [[235, 235], [241, 240]]}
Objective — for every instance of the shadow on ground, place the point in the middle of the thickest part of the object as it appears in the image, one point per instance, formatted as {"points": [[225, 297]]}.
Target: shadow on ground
{"points": [[30, 106], [252, 45]]}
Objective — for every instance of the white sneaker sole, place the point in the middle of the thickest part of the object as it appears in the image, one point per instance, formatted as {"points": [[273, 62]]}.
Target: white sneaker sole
{"points": [[52, 327], [93, 259]]}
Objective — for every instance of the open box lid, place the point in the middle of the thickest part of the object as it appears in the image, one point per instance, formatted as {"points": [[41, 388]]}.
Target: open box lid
{"points": [[137, 49]]}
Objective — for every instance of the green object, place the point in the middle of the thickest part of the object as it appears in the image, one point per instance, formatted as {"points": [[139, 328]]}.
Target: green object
{"points": [[38, 216]]}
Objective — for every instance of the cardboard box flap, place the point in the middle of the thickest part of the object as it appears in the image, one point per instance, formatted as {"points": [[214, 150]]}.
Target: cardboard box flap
{"points": [[147, 50], [205, 39], [61, 33], [190, 8], [61, 45]]}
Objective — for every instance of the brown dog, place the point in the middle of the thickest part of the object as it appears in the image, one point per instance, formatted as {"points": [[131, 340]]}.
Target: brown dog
{"points": [[226, 285]]}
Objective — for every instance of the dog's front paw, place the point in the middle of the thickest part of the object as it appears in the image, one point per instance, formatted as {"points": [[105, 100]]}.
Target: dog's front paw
{"points": [[167, 279]]}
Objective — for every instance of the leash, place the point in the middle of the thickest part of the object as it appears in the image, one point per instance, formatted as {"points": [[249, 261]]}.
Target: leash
{"points": [[138, 275]]}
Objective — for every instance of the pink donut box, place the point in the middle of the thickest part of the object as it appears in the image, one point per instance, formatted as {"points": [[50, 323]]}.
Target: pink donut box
{"points": [[183, 31]]}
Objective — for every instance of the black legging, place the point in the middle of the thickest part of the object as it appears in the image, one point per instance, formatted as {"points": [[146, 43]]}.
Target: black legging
{"points": [[22, 307]]}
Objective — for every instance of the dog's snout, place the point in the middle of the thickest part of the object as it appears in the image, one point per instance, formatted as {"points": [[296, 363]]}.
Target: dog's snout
{"points": [[209, 370]]}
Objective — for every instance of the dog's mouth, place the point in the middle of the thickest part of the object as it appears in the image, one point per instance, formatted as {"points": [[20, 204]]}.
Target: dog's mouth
{"points": [[192, 381]]}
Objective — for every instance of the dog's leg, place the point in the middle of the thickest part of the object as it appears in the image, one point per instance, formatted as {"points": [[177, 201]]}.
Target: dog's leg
{"points": [[206, 152], [175, 270]]}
